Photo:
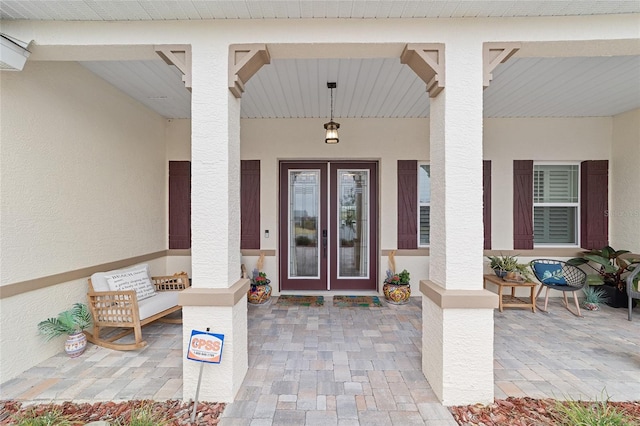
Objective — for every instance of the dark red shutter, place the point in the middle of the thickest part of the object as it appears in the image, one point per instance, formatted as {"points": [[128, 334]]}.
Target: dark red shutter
{"points": [[250, 204], [486, 202], [522, 204], [407, 204], [594, 184], [179, 204]]}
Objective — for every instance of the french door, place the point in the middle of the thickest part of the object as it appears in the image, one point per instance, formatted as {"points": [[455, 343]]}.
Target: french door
{"points": [[328, 225]]}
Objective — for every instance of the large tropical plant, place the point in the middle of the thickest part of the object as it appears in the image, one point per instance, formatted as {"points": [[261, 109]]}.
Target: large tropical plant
{"points": [[68, 322], [610, 265]]}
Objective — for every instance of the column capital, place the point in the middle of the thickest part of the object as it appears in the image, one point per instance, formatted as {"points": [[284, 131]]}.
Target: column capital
{"points": [[178, 55], [494, 54], [244, 61], [427, 61]]}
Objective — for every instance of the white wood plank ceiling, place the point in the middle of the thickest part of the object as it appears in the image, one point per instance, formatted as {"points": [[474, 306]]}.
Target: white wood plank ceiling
{"points": [[523, 87], [142, 10], [297, 88]]}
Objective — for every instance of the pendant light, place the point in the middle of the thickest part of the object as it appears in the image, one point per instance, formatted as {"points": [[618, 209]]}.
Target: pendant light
{"points": [[331, 135]]}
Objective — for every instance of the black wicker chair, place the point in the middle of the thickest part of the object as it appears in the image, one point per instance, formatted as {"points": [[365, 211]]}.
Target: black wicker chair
{"points": [[631, 293], [558, 275]]}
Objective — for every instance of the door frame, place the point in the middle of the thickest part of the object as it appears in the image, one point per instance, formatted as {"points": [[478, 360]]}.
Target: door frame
{"points": [[331, 225]]}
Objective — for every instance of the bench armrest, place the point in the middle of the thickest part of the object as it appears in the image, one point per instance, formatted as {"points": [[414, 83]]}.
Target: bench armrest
{"points": [[173, 282]]}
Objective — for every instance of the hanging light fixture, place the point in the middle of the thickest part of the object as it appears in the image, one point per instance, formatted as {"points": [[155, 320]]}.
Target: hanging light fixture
{"points": [[331, 135]]}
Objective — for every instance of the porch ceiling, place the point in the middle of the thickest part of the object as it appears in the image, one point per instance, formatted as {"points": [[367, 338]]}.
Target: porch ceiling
{"points": [[526, 86]]}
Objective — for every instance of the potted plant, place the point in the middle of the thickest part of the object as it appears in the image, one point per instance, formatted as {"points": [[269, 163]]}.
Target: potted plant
{"points": [[611, 269], [507, 267], [72, 323], [260, 291], [397, 288], [593, 296]]}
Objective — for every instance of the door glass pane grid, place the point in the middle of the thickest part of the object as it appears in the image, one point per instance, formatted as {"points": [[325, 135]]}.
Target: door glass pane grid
{"points": [[304, 218], [353, 223]]}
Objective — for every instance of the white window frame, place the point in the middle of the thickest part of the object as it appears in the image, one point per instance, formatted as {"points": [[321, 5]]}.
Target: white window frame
{"points": [[421, 204], [576, 204]]}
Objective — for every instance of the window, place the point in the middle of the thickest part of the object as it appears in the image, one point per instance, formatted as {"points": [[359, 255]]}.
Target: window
{"points": [[555, 204], [424, 204]]}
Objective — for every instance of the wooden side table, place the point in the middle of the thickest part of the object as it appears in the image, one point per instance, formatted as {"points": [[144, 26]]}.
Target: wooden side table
{"points": [[511, 301]]}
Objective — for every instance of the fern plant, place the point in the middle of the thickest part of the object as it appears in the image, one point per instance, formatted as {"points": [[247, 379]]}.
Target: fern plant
{"points": [[68, 322]]}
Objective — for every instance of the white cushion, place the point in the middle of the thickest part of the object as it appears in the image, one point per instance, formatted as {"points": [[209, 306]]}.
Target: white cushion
{"points": [[137, 280], [100, 282], [161, 301]]}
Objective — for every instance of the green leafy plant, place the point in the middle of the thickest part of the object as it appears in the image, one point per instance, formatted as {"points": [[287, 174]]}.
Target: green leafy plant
{"points": [[399, 278], [610, 265], [52, 417], [144, 416], [68, 322], [593, 297], [582, 413], [509, 263]]}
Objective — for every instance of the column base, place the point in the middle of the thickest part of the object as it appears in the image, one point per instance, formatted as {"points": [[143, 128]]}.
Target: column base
{"points": [[223, 311], [457, 343]]}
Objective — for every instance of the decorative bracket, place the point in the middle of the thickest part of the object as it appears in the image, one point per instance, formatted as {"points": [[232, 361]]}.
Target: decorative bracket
{"points": [[427, 61], [244, 61], [494, 54], [178, 55]]}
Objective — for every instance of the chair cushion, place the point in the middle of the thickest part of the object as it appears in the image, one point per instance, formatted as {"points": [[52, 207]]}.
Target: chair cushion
{"points": [[137, 280], [161, 301], [549, 273], [101, 280]]}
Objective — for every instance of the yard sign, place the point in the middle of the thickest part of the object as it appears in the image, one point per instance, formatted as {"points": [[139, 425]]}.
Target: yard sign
{"points": [[205, 347]]}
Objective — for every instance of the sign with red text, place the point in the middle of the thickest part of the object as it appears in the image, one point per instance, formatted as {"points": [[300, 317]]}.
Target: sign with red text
{"points": [[205, 347]]}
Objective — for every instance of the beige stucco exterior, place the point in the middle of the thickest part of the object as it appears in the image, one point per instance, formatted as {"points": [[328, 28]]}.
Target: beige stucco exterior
{"points": [[83, 174]]}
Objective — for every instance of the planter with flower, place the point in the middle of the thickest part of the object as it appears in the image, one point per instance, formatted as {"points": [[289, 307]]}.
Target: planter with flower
{"points": [[397, 288], [260, 291]]}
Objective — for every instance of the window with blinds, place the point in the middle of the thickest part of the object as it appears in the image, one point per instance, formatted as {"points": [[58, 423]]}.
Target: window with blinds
{"points": [[555, 204], [424, 203]]}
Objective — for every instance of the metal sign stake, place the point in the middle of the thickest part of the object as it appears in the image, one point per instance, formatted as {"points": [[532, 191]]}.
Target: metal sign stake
{"points": [[195, 403]]}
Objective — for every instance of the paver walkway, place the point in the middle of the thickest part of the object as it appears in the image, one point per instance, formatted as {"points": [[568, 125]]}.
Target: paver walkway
{"points": [[326, 365]]}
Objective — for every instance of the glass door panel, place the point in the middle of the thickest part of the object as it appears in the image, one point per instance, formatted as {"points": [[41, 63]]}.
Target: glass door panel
{"points": [[304, 217], [353, 217]]}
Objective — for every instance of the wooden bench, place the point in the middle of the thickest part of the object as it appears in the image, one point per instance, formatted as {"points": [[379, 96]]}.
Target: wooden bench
{"points": [[113, 310]]}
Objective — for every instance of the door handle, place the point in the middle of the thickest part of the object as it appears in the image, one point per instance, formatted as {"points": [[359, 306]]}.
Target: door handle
{"points": [[324, 242]]}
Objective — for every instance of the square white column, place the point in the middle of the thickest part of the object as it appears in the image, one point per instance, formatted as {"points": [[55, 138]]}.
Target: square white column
{"points": [[215, 225], [457, 340]]}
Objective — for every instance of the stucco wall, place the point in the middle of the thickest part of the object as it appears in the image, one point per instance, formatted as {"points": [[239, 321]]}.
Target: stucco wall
{"points": [[624, 221], [548, 139], [83, 182]]}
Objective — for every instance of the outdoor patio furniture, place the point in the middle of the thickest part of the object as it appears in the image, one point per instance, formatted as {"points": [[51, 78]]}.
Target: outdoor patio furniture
{"points": [[558, 275], [511, 301], [125, 311], [631, 292]]}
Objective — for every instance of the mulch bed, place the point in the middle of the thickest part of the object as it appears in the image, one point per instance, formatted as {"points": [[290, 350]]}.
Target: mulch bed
{"points": [[175, 412], [526, 412], [504, 412]]}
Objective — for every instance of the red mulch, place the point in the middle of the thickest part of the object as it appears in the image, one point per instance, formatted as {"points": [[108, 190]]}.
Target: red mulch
{"points": [[175, 412], [504, 412], [526, 412]]}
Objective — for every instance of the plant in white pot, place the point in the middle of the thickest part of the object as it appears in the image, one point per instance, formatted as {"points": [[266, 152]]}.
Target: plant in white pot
{"points": [[72, 323]]}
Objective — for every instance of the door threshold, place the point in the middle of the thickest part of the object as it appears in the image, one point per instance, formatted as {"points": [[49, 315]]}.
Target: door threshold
{"points": [[329, 294]]}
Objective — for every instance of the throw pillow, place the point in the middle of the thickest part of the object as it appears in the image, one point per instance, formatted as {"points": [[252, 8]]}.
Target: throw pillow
{"points": [[550, 273], [137, 280]]}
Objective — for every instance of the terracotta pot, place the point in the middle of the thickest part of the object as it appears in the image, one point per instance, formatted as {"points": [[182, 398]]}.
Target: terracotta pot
{"points": [[75, 344], [396, 294], [259, 294]]}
